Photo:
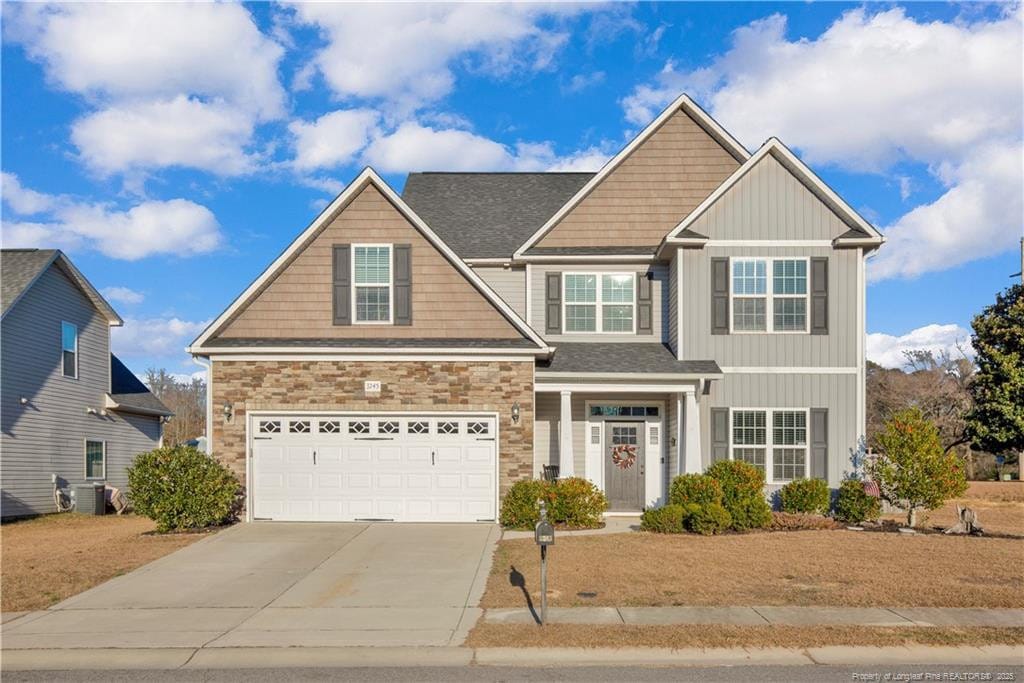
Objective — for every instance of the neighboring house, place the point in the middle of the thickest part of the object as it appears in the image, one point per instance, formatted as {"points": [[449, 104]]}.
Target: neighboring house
{"points": [[411, 357], [68, 406]]}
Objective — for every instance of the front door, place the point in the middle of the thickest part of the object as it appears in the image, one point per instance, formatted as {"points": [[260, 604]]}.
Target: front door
{"points": [[624, 465]]}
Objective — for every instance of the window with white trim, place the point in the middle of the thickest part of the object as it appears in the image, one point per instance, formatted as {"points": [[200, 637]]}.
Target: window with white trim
{"points": [[599, 302], [780, 452], [372, 283], [769, 303], [95, 459], [69, 349]]}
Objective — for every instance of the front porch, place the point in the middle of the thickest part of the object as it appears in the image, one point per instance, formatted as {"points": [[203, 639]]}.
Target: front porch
{"points": [[628, 428]]}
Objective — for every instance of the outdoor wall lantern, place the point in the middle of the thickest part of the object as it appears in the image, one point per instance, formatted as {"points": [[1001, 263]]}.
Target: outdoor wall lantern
{"points": [[227, 412], [515, 412]]}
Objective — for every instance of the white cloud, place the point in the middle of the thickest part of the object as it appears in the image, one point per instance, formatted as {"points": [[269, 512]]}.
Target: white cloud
{"points": [[124, 295], [21, 200], [177, 227], [404, 52], [581, 82], [154, 337], [888, 350], [878, 88], [333, 139], [181, 132]]}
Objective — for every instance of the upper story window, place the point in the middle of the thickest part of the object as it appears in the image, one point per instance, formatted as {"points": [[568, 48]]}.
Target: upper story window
{"points": [[600, 302], [69, 349], [769, 295], [781, 451], [372, 283]]}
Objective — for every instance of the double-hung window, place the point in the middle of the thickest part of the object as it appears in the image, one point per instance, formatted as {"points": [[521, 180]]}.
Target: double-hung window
{"points": [[780, 451], [769, 295], [69, 349], [600, 302], [95, 459], [372, 283]]}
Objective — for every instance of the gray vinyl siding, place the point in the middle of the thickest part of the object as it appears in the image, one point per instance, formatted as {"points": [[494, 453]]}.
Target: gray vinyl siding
{"points": [[47, 435], [673, 305], [672, 442], [838, 348], [508, 283], [837, 393], [659, 298]]}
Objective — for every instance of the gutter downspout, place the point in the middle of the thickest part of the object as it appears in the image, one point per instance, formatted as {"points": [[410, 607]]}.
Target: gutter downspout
{"points": [[208, 366]]}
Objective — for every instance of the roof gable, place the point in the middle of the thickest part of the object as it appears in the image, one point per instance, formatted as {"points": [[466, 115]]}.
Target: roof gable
{"points": [[20, 269], [291, 299]]}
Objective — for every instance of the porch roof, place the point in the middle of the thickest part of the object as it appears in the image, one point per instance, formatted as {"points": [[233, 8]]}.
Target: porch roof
{"points": [[622, 358]]}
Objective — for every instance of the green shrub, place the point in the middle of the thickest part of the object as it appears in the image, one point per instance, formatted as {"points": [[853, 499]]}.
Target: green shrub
{"points": [[572, 502], [576, 503], [666, 520], [694, 488], [183, 488], [854, 506], [806, 495], [707, 519], [742, 493]]}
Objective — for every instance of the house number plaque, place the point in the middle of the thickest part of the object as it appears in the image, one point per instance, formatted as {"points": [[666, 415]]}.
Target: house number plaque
{"points": [[371, 386]]}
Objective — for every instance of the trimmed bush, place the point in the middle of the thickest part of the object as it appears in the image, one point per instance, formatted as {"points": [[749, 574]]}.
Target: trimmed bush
{"points": [[810, 496], [694, 488], [707, 519], [854, 506], [799, 521], [183, 488], [666, 520], [742, 494], [575, 503]]}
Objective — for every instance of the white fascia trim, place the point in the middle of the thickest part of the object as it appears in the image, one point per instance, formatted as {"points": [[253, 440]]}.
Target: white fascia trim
{"points": [[588, 258], [306, 351], [768, 243], [370, 177], [800, 170], [616, 388], [793, 370], [682, 102], [489, 261], [678, 376], [369, 357]]}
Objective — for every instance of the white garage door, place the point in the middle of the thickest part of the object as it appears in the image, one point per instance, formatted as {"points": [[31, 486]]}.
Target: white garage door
{"points": [[402, 467]]}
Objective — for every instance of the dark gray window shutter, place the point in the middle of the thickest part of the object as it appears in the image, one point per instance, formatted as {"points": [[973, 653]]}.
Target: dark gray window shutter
{"points": [[403, 283], [819, 443], [342, 294], [720, 296], [819, 295], [552, 303], [719, 434], [644, 304]]}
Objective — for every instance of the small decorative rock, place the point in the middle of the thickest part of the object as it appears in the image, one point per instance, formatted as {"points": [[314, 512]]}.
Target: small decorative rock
{"points": [[907, 530], [967, 522], [855, 528]]}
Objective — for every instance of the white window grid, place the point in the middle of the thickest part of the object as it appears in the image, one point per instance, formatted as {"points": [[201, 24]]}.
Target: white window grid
{"points": [[390, 285], [388, 427], [330, 427], [448, 427], [477, 427], [359, 427], [299, 427], [599, 302], [769, 296], [270, 426], [767, 446], [85, 459], [418, 427]]}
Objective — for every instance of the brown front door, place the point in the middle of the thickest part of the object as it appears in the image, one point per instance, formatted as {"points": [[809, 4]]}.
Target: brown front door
{"points": [[624, 465]]}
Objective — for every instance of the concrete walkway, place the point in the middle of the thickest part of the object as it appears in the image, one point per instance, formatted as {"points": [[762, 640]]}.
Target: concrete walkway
{"points": [[616, 524], [764, 616]]}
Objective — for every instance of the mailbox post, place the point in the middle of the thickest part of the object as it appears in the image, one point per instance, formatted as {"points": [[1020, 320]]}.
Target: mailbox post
{"points": [[544, 535]]}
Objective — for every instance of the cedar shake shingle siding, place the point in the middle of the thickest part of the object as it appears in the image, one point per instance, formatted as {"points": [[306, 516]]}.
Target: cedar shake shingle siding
{"points": [[298, 303], [653, 189]]}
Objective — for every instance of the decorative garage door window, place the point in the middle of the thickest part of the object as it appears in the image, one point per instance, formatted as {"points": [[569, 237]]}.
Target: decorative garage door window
{"points": [[419, 427], [270, 427], [387, 427], [359, 427], [477, 428], [624, 411], [299, 427], [330, 426], [447, 427]]}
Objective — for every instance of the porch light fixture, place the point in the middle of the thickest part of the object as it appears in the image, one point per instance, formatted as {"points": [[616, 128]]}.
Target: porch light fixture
{"points": [[515, 412], [227, 412]]}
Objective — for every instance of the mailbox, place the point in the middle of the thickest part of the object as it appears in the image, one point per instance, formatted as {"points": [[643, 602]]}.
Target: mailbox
{"points": [[544, 533]]}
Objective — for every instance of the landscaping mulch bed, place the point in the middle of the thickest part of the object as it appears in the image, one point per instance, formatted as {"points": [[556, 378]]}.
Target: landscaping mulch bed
{"points": [[47, 559]]}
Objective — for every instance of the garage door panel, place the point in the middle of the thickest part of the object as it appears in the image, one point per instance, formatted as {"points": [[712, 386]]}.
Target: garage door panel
{"points": [[389, 454], [359, 481], [478, 482], [389, 480]]}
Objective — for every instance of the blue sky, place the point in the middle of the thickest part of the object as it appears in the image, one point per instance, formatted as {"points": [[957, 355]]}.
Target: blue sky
{"points": [[175, 158]]}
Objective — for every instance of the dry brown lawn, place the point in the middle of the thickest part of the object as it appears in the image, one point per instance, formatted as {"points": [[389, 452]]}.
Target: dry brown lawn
{"points": [[47, 559], [708, 636], [833, 568], [999, 504]]}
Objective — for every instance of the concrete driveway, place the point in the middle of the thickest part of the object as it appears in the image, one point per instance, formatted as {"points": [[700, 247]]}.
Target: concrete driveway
{"points": [[284, 585]]}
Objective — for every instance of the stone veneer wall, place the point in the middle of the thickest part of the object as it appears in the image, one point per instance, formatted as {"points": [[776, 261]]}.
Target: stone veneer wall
{"points": [[491, 386]]}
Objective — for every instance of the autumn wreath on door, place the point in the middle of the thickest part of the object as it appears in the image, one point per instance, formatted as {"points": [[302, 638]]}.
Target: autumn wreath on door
{"points": [[624, 456]]}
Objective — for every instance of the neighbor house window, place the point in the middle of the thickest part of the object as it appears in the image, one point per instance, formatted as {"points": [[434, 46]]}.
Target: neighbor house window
{"points": [[372, 283], [769, 303], [95, 460], [774, 441], [600, 302], [69, 349]]}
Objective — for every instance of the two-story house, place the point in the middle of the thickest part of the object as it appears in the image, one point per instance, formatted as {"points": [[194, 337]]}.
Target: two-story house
{"points": [[410, 357], [71, 412]]}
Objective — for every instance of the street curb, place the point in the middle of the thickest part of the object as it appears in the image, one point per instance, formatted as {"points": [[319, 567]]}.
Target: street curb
{"points": [[327, 657], [638, 656], [98, 659]]}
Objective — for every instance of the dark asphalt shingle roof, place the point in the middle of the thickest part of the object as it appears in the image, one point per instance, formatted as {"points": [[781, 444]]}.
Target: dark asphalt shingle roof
{"points": [[221, 342], [625, 357], [18, 268], [129, 392], [489, 215]]}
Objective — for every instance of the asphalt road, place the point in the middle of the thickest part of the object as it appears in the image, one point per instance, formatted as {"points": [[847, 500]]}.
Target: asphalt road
{"points": [[741, 674]]}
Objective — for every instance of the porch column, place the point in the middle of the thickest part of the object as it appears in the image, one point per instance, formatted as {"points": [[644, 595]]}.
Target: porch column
{"points": [[691, 434], [566, 468]]}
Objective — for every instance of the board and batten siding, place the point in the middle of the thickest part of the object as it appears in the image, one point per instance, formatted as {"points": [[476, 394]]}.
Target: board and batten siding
{"points": [[673, 305], [836, 392], [508, 283], [659, 300], [47, 434]]}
